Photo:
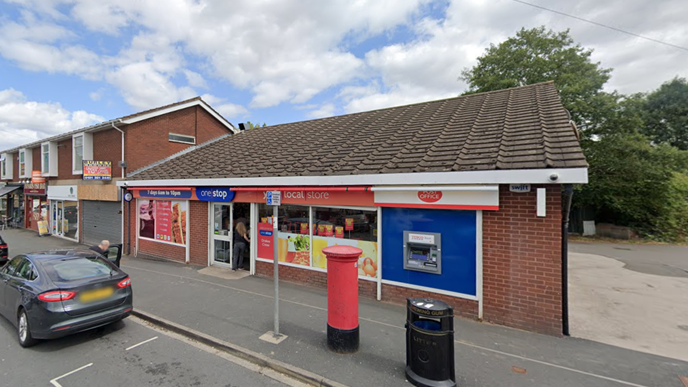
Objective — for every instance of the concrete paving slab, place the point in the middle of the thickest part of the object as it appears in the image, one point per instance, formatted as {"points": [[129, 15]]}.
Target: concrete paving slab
{"points": [[627, 308]]}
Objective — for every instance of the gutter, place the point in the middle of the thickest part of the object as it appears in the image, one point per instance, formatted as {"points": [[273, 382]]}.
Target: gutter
{"points": [[122, 170], [567, 195]]}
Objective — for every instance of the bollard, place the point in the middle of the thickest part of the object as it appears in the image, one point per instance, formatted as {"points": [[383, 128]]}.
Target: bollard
{"points": [[342, 298]]}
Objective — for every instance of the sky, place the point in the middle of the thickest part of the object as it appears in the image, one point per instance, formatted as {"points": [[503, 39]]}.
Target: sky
{"points": [[67, 64]]}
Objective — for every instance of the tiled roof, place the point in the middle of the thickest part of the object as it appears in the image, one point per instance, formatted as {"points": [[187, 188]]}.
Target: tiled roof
{"points": [[520, 128]]}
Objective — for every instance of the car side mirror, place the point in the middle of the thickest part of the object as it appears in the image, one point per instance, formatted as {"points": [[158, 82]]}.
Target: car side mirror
{"points": [[114, 254]]}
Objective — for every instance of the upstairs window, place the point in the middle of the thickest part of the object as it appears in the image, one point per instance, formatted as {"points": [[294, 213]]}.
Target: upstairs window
{"points": [[25, 162], [82, 149], [45, 158], [182, 138], [7, 166], [22, 164], [49, 158]]}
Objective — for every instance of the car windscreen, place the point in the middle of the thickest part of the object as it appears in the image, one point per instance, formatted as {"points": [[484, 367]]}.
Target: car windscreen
{"points": [[77, 268]]}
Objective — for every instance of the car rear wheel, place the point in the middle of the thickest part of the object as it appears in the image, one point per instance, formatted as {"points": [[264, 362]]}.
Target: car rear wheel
{"points": [[23, 331]]}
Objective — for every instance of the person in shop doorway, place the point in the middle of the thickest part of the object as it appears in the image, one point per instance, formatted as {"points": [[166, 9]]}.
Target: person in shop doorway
{"points": [[240, 240], [101, 248]]}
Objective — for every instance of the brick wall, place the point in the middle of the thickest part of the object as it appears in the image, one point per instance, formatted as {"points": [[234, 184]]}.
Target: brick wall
{"points": [[198, 233], [162, 250], [107, 146], [36, 157], [208, 127], [147, 141], [64, 160], [522, 262]]}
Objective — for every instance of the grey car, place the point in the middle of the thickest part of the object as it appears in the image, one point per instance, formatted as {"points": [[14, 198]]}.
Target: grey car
{"points": [[55, 293]]}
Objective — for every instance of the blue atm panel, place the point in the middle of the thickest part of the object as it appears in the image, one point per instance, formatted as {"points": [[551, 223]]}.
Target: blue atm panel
{"points": [[458, 248]]}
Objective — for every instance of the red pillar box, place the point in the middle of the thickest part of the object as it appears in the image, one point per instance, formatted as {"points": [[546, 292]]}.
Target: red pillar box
{"points": [[342, 298]]}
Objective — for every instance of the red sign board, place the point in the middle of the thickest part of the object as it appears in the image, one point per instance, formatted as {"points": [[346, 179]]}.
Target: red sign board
{"points": [[349, 224], [34, 189], [265, 241], [328, 230], [310, 198], [97, 170], [430, 196], [304, 228], [339, 232]]}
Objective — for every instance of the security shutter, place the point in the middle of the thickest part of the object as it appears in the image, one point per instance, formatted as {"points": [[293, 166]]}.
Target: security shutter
{"points": [[102, 220]]}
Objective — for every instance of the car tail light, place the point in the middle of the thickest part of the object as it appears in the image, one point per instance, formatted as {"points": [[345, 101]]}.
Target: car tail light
{"points": [[124, 283], [3, 246], [56, 295]]}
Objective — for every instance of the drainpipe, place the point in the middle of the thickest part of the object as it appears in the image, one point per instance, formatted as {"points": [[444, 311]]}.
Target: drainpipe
{"points": [[567, 196], [122, 192]]}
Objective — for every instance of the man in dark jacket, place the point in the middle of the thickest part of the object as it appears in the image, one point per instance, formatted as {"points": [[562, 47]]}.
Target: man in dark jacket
{"points": [[102, 248]]}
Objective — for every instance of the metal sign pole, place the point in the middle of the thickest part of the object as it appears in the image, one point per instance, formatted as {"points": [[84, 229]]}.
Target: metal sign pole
{"points": [[276, 269]]}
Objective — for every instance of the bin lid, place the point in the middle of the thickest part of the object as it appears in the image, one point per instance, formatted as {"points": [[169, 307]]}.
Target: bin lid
{"points": [[430, 307]]}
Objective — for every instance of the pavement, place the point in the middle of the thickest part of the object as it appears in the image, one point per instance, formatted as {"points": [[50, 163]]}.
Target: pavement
{"points": [[632, 296], [662, 260], [235, 312]]}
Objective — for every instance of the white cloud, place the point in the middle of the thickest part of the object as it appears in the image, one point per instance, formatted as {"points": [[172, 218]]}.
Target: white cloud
{"points": [[326, 110], [292, 51], [23, 121], [195, 79]]}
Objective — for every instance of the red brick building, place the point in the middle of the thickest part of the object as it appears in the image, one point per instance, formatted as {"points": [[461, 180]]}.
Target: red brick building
{"points": [[68, 181], [462, 199]]}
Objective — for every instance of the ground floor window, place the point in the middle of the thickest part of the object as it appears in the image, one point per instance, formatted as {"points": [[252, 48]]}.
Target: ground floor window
{"points": [[303, 232], [64, 218], [163, 220]]}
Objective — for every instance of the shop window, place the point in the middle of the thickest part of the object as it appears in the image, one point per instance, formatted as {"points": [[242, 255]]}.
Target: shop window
{"points": [[303, 229], [49, 159], [82, 149], [163, 220], [182, 138], [6, 166], [25, 162]]}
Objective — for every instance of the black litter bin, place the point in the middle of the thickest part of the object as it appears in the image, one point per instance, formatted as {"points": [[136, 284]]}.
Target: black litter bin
{"points": [[430, 343]]}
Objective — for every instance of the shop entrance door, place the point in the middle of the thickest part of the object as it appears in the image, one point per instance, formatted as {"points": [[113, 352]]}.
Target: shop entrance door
{"points": [[221, 234]]}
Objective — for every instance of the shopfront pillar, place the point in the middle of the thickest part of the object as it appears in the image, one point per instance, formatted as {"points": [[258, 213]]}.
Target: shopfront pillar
{"points": [[342, 298]]}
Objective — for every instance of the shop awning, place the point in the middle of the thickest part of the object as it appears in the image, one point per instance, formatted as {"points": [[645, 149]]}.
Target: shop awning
{"points": [[349, 189], [8, 189]]}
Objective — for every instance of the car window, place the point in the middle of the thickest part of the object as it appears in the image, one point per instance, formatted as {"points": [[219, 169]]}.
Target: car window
{"points": [[26, 271], [12, 267], [77, 268]]}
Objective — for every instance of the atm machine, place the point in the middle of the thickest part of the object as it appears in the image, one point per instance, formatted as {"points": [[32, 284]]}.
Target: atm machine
{"points": [[423, 251]]}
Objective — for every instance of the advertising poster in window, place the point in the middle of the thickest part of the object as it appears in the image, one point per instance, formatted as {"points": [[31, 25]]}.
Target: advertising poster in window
{"points": [[163, 220], [367, 262], [265, 246], [294, 248]]}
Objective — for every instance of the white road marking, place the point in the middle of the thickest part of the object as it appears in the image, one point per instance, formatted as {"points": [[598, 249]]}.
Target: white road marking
{"points": [[141, 343], [400, 327], [56, 384]]}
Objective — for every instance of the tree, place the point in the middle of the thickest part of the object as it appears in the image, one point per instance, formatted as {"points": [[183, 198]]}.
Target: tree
{"points": [[251, 125], [638, 184], [666, 114], [537, 55]]}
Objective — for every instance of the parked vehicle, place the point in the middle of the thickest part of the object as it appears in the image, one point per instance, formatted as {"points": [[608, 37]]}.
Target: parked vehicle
{"points": [[4, 252], [56, 293]]}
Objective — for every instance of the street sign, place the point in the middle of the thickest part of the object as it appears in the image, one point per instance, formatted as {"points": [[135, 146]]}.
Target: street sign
{"points": [[274, 198]]}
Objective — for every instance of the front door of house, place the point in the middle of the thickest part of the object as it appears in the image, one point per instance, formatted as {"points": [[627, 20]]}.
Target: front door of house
{"points": [[221, 234]]}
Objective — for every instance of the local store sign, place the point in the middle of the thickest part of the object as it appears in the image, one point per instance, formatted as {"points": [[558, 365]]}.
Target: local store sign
{"points": [[301, 195], [430, 196]]}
